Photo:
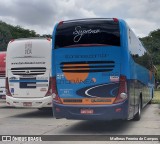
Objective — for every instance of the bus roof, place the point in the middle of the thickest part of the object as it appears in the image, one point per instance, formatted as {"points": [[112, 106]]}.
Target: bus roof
{"points": [[31, 38], [89, 19]]}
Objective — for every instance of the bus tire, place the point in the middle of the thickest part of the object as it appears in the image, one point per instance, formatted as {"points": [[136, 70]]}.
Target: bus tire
{"points": [[137, 117]]}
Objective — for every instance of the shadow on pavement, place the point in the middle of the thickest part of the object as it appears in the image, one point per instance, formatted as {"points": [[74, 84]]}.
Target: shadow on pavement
{"points": [[99, 127], [35, 113], [104, 127]]}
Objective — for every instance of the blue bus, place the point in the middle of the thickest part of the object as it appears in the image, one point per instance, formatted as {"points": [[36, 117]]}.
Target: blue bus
{"points": [[101, 71]]}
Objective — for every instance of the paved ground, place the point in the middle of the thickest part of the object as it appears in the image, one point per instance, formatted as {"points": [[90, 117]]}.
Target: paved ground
{"points": [[15, 121]]}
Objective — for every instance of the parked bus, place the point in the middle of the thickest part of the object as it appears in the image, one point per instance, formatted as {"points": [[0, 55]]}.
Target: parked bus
{"points": [[102, 71], [2, 77], [28, 73]]}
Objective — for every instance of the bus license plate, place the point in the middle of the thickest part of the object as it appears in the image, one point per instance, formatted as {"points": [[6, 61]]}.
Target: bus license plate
{"points": [[27, 104], [87, 111]]}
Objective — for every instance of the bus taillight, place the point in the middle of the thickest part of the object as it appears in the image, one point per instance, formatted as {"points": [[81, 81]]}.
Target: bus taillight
{"points": [[8, 93], [122, 92], [56, 98], [49, 92], [115, 19], [49, 39], [60, 23], [12, 40]]}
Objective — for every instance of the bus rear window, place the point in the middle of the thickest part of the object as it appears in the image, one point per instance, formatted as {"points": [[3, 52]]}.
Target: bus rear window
{"points": [[87, 33]]}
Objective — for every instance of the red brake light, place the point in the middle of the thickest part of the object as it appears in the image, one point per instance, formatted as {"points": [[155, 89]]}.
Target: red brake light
{"points": [[115, 19], [56, 98], [122, 92], [49, 39], [8, 93], [122, 78], [11, 40], [49, 92], [60, 23]]}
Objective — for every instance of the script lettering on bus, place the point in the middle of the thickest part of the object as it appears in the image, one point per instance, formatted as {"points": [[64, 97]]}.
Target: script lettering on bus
{"points": [[79, 32]]}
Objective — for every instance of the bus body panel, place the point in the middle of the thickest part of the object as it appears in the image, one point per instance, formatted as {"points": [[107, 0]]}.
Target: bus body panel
{"points": [[28, 72]]}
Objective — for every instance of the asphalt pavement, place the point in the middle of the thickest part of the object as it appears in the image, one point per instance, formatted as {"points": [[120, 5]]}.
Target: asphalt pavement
{"points": [[18, 121]]}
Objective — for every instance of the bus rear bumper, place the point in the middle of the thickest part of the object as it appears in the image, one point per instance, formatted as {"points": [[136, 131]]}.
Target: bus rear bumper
{"points": [[100, 112], [29, 102]]}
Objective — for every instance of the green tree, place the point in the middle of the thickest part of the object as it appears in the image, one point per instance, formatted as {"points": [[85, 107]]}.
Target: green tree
{"points": [[8, 32], [152, 44]]}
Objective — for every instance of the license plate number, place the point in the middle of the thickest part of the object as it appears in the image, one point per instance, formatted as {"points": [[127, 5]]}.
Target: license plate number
{"points": [[27, 104], [87, 111]]}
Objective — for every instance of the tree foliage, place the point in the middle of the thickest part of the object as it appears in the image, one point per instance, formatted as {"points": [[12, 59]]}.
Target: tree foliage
{"points": [[152, 44], [8, 32]]}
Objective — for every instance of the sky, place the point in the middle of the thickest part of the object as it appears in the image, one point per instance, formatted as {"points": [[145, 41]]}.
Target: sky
{"points": [[143, 16]]}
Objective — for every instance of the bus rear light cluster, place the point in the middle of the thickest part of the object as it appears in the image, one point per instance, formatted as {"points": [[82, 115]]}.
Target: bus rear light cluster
{"points": [[115, 19], [122, 92], [56, 98], [12, 40], [49, 39], [60, 23], [123, 95], [8, 93], [49, 92]]}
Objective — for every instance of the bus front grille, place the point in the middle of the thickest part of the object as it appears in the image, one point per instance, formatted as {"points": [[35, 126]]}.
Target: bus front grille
{"points": [[25, 71], [87, 66]]}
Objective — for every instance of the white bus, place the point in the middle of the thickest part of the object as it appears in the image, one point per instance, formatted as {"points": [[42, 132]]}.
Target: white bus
{"points": [[28, 73]]}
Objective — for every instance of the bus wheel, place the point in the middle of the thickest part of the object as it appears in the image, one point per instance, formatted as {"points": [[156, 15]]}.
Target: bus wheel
{"points": [[137, 117]]}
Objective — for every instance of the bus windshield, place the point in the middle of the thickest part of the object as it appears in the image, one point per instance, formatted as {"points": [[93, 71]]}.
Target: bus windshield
{"points": [[87, 33]]}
